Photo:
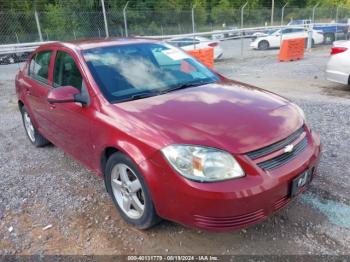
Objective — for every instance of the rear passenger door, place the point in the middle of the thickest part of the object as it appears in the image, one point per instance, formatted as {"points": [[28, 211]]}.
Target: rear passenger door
{"points": [[37, 86], [71, 121]]}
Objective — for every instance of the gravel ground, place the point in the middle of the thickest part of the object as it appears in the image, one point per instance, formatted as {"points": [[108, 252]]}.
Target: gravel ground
{"points": [[44, 187]]}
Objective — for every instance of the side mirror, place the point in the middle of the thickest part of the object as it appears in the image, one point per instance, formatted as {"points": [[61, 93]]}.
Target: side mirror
{"points": [[65, 94]]}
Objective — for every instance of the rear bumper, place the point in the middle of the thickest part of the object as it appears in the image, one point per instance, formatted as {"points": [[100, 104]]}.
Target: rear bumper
{"points": [[337, 69], [228, 205], [336, 76], [218, 52]]}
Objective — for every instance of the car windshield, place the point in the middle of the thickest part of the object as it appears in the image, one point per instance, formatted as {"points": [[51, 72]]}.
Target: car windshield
{"points": [[135, 71]]}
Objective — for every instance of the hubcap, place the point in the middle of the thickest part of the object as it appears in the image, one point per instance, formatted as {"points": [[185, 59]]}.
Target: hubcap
{"points": [[127, 191], [263, 45], [29, 127]]}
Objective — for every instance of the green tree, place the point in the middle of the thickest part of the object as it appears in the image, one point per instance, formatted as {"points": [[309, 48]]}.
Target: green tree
{"points": [[54, 21], [222, 13]]}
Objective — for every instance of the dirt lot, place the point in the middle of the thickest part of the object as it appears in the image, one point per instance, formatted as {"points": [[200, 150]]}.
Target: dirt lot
{"points": [[41, 187]]}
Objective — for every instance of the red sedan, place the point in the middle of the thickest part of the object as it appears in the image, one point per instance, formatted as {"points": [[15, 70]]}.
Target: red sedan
{"points": [[171, 138]]}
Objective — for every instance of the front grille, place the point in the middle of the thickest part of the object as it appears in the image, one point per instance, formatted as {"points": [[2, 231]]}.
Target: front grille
{"points": [[284, 158], [230, 222], [281, 203], [276, 146]]}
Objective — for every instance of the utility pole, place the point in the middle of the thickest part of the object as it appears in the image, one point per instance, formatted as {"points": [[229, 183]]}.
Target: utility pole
{"points": [[105, 17], [272, 11], [242, 25], [336, 23], [125, 19], [193, 26], [38, 25], [313, 12], [282, 15]]}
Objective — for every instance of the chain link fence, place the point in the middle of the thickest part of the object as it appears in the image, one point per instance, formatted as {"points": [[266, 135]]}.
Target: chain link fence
{"points": [[19, 27]]}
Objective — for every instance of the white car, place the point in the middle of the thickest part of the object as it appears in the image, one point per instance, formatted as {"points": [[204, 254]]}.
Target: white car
{"points": [[273, 39], [190, 43], [338, 67], [217, 36]]}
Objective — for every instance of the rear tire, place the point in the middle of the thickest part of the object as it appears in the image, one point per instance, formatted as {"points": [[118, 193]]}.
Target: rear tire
{"points": [[263, 45], [129, 192], [32, 133]]}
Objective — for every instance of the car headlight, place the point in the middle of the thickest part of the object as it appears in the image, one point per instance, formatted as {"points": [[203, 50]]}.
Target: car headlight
{"points": [[204, 164], [301, 112]]}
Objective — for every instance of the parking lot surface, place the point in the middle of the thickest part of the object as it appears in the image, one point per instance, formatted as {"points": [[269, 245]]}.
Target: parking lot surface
{"points": [[50, 204]]}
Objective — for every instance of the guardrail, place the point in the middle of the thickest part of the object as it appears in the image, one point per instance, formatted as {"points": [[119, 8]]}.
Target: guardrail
{"points": [[217, 32], [19, 48], [29, 47], [240, 34]]}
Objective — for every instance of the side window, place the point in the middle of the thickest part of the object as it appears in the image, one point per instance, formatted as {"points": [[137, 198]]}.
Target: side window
{"points": [[184, 42], [66, 72], [286, 31], [39, 66], [298, 30]]}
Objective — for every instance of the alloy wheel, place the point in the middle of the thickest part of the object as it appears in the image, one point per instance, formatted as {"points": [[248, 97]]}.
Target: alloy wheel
{"points": [[29, 126], [127, 191]]}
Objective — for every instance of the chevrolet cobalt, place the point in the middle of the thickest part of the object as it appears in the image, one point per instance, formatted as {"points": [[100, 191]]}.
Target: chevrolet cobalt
{"points": [[171, 138]]}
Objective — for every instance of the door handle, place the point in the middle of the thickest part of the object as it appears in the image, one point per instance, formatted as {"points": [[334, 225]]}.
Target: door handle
{"points": [[52, 106], [27, 91]]}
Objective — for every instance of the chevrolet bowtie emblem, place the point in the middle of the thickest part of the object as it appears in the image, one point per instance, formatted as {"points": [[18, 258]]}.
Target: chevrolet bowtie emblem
{"points": [[288, 149]]}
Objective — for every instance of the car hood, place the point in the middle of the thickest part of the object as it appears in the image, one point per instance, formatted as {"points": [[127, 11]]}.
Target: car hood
{"points": [[230, 116]]}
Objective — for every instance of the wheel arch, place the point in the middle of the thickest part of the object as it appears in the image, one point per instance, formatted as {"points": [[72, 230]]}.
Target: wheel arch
{"points": [[20, 104], [106, 153]]}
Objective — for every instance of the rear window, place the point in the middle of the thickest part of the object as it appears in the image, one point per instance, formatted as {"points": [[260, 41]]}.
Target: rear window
{"points": [[39, 66]]}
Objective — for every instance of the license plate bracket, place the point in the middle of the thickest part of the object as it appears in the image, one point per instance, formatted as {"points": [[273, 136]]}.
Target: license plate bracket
{"points": [[300, 182]]}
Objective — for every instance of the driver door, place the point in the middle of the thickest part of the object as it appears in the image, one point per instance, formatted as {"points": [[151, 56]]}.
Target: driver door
{"points": [[71, 122]]}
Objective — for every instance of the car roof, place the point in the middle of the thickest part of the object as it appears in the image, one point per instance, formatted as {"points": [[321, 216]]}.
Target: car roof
{"points": [[95, 43]]}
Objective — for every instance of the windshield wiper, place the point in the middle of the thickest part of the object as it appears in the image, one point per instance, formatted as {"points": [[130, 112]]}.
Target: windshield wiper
{"points": [[143, 95], [177, 87], [187, 85], [136, 97]]}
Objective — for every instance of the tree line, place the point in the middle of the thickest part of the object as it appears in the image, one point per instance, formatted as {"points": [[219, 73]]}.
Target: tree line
{"points": [[67, 19]]}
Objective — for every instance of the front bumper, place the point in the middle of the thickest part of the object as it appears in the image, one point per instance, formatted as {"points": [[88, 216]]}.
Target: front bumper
{"points": [[231, 204]]}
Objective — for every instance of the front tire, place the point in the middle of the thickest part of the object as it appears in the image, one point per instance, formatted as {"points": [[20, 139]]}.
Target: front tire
{"points": [[263, 45], [33, 134], [129, 192]]}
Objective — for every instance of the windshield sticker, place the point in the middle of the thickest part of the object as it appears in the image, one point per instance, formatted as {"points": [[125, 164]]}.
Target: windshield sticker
{"points": [[175, 54]]}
